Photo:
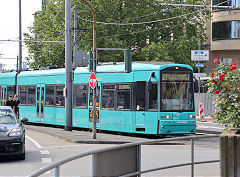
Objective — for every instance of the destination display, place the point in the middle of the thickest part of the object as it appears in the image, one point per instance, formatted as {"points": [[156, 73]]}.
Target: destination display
{"points": [[124, 87], [175, 77]]}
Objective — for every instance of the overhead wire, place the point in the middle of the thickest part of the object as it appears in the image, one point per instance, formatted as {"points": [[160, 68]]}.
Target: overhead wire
{"points": [[119, 24], [148, 22], [159, 21]]}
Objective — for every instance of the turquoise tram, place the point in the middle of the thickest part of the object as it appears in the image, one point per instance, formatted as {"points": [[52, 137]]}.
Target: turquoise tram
{"points": [[151, 99]]}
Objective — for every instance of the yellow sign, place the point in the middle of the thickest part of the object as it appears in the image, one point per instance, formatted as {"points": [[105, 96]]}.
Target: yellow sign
{"points": [[91, 114]]}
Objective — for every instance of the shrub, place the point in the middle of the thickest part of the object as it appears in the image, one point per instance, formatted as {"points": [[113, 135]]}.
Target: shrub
{"points": [[225, 84]]}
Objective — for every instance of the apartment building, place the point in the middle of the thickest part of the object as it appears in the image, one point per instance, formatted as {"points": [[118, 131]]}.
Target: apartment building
{"points": [[224, 35]]}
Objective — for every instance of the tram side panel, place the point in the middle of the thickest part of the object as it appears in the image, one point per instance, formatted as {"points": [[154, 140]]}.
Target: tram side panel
{"points": [[146, 101], [81, 102], [40, 93], [7, 86], [115, 102]]}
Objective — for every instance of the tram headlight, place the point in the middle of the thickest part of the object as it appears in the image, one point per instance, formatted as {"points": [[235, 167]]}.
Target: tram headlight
{"points": [[168, 116], [192, 116]]}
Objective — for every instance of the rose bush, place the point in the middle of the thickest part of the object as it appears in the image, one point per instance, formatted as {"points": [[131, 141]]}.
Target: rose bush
{"points": [[225, 84]]}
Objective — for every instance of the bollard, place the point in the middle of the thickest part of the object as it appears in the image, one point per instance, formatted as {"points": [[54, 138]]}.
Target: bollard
{"points": [[201, 113]]}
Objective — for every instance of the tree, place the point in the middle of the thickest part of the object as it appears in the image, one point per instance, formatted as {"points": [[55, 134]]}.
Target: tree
{"points": [[172, 37]]}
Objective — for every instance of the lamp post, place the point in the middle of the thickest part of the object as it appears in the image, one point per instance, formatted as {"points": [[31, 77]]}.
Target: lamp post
{"points": [[94, 69], [68, 63]]}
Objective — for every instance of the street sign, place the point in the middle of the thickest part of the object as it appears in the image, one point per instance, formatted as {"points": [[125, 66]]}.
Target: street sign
{"points": [[199, 65], [93, 80], [200, 55]]}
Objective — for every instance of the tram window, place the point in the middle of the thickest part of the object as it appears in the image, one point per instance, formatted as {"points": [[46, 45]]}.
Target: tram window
{"points": [[49, 98], [140, 96], [10, 90], [23, 94], [153, 97], [31, 99], [80, 97], [123, 96], [60, 102], [108, 96]]}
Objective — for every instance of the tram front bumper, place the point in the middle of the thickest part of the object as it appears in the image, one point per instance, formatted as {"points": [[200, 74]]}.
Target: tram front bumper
{"points": [[177, 127]]}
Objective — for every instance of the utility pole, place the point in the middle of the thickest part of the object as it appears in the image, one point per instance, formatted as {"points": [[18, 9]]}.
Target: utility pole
{"points": [[68, 67], [199, 81], [75, 31], [20, 36]]}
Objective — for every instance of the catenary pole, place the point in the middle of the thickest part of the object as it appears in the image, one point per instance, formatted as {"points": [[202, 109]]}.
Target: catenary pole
{"points": [[68, 67], [20, 36], [75, 31]]}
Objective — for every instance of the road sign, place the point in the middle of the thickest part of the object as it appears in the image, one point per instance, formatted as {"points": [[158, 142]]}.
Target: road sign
{"points": [[93, 80], [200, 55], [199, 65]]}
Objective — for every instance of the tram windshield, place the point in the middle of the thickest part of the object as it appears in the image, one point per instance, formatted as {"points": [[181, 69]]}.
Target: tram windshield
{"points": [[177, 92]]}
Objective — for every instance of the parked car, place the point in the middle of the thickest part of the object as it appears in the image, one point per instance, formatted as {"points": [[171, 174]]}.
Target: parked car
{"points": [[12, 134]]}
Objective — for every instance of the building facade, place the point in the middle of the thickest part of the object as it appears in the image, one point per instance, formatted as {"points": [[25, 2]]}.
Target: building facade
{"points": [[224, 35]]}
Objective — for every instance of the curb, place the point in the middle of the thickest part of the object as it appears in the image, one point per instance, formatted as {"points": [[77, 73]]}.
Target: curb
{"points": [[208, 131], [69, 139]]}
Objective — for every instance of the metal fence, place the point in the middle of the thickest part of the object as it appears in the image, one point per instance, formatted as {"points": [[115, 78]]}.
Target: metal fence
{"points": [[208, 103], [124, 160]]}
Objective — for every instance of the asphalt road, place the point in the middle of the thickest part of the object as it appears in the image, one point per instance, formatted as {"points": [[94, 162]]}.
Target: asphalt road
{"points": [[43, 149]]}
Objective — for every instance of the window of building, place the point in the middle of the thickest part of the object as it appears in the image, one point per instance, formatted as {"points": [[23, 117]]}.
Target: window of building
{"points": [[226, 61], [80, 96], [226, 30], [50, 95], [223, 3]]}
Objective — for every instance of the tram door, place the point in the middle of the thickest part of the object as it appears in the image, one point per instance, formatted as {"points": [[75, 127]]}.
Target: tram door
{"points": [[40, 102], [97, 103], [140, 105], [3, 95]]}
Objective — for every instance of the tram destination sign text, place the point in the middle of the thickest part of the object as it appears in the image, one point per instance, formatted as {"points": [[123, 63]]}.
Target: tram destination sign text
{"points": [[175, 77]]}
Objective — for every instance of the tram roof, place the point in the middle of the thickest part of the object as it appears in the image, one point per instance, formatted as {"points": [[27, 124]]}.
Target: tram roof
{"points": [[7, 75], [135, 67], [100, 69]]}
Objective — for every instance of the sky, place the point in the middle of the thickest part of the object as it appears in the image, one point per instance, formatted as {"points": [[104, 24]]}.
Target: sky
{"points": [[9, 28]]}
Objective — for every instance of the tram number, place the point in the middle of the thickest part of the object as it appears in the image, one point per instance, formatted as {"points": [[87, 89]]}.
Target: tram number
{"points": [[91, 114]]}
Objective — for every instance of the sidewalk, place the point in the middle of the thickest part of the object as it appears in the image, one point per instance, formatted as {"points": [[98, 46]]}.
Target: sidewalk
{"points": [[209, 125]]}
